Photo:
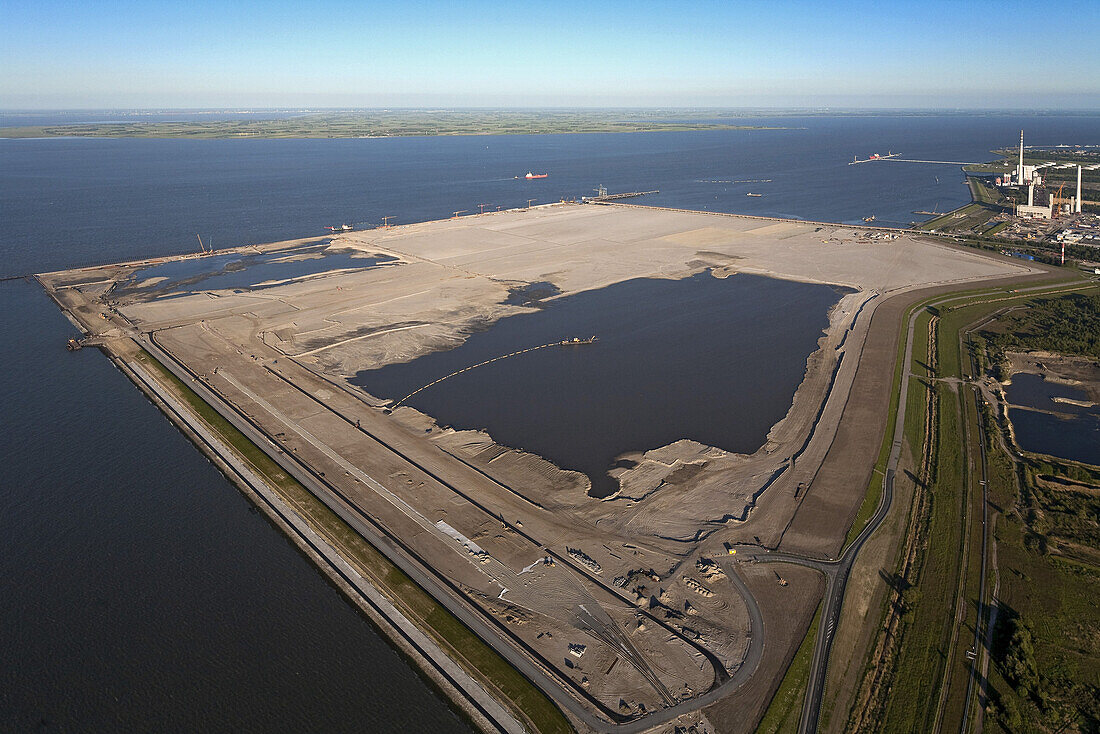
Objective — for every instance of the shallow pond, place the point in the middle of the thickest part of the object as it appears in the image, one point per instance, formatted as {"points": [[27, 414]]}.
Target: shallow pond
{"points": [[244, 270], [1073, 433]]}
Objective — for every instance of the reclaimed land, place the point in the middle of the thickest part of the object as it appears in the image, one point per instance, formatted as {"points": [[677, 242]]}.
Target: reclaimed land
{"points": [[393, 123], [297, 342]]}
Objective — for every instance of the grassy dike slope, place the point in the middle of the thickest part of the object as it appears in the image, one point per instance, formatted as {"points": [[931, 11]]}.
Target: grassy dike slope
{"points": [[921, 684]]}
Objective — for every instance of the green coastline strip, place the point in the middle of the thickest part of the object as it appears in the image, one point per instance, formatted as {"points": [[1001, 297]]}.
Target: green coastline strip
{"points": [[785, 710], [395, 123], [918, 666]]}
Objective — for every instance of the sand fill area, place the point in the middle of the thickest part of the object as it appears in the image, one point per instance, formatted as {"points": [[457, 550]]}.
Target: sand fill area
{"points": [[639, 607]]}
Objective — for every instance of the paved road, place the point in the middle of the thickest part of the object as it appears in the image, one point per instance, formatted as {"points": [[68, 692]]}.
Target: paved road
{"points": [[834, 590], [447, 668], [837, 572], [976, 662], [446, 596]]}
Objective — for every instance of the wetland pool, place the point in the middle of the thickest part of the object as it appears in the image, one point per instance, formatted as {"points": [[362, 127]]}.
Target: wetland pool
{"points": [[1067, 431], [245, 271]]}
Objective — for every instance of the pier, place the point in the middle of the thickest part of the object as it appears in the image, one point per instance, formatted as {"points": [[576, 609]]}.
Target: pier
{"points": [[913, 160], [604, 196]]}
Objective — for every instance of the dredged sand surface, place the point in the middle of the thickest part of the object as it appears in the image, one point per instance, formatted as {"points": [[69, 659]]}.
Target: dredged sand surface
{"points": [[651, 557]]}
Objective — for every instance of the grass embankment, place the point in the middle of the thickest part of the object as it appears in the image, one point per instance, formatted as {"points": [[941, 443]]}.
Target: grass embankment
{"points": [[462, 645], [1045, 674], [874, 489], [963, 219], [927, 589], [983, 193], [785, 710], [937, 592], [986, 202], [930, 664]]}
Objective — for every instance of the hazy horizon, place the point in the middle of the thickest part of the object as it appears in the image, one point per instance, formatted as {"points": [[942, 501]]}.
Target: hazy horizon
{"points": [[60, 54]]}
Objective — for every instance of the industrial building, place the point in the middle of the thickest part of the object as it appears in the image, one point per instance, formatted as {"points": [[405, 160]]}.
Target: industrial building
{"points": [[1029, 176]]}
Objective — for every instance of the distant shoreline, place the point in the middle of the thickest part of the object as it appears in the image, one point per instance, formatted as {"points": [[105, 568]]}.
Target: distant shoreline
{"points": [[392, 124], [52, 134]]}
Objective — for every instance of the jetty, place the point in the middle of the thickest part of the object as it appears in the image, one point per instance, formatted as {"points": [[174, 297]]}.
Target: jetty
{"points": [[604, 196]]}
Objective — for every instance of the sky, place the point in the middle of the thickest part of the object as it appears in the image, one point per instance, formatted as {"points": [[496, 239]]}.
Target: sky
{"points": [[73, 54]]}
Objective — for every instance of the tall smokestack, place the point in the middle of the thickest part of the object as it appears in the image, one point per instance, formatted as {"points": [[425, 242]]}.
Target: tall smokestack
{"points": [[1020, 168], [1031, 195], [1078, 208]]}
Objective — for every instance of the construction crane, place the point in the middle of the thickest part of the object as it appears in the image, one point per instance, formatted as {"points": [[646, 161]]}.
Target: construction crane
{"points": [[460, 211], [386, 220]]}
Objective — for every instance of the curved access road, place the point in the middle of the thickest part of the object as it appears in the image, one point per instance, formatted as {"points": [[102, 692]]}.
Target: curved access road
{"points": [[447, 597], [837, 571]]}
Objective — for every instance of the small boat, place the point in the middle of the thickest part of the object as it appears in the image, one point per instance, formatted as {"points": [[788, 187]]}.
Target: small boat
{"points": [[869, 219], [536, 175], [341, 228], [753, 194]]}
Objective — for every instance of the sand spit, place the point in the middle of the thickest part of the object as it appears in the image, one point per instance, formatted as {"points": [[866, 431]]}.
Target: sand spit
{"points": [[630, 604]]}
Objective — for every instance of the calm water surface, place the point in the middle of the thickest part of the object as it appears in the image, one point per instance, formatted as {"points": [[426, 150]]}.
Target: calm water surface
{"points": [[139, 590], [709, 359], [1074, 433], [67, 202], [244, 271]]}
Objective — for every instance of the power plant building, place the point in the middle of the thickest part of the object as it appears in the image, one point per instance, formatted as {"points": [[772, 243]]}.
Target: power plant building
{"points": [[1023, 175]]}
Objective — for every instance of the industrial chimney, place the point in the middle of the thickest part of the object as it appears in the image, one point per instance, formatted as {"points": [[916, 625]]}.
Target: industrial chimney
{"points": [[1078, 208], [1020, 168]]}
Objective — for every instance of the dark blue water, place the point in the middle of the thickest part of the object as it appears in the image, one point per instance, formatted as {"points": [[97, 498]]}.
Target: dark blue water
{"points": [[709, 359], [1074, 433], [245, 270], [1032, 391], [1068, 436], [72, 202], [139, 590]]}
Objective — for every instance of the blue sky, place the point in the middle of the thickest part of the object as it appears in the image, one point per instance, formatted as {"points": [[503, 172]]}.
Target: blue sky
{"points": [[225, 53]]}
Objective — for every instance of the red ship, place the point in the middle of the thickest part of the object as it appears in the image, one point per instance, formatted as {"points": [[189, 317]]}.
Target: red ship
{"points": [[536, 175]]}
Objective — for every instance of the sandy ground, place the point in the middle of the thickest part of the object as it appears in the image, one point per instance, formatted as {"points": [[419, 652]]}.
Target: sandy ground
{"points": [[634, 611]]}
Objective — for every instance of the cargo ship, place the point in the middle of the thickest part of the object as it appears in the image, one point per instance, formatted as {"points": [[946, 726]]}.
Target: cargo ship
{"points": [[536, 175], [341, 228], [753, 194]]}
